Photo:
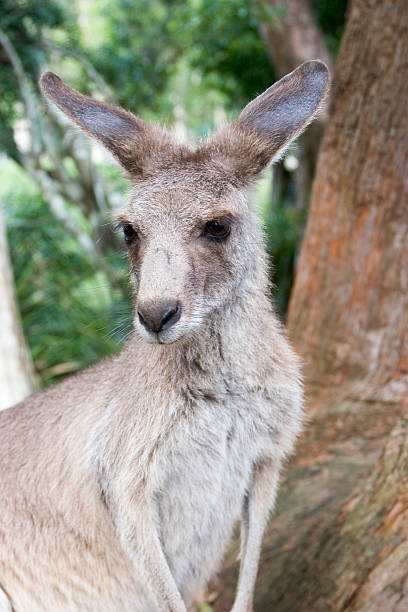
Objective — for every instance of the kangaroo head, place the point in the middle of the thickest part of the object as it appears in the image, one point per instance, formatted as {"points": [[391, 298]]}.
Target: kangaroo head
{"points": [[193, 241]]}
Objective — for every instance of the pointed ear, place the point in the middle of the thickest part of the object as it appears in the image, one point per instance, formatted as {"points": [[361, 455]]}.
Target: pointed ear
{"points": [[269, 123], [128, 138]]}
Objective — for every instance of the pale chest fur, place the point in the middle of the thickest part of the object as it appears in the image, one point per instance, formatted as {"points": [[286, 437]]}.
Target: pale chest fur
{"points": [[193, 444], [206, 473], [201, 469]]}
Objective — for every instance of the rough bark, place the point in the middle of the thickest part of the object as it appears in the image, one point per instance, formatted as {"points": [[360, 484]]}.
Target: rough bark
{"points": [[16, 371], [349, 306], [292, 36], [339, 538]]}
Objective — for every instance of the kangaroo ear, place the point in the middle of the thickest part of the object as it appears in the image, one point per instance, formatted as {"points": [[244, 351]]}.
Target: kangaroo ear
{"points": [[127, 137], [269, 123]]}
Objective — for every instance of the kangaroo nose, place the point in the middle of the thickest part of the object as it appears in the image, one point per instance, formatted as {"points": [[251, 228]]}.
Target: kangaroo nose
{"points": [[160, 316]]}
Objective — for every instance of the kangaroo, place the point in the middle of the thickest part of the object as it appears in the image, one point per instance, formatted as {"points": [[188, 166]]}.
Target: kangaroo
{"points": [[120, 486]]}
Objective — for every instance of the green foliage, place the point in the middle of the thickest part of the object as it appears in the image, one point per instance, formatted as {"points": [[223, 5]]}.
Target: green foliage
{"points": [[284, 229], [203, 607], [137, 52], [331, 17], [24, 22], [69, 313], [222, 42], [283, 226]]}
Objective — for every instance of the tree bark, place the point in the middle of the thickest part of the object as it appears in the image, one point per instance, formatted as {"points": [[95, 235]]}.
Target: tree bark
{"points": [[349, 306], [16, 370], [339, 538], [292, 36]]}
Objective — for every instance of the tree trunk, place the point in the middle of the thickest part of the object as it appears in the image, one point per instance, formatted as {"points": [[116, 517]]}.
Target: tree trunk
{"points": [[292, 36], [339, 538], [350, 302], [16, 371]]}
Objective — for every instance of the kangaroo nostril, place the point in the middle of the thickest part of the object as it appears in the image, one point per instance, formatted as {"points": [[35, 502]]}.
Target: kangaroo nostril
{"points": [[159, 317], [142, 319], [171, 316]]}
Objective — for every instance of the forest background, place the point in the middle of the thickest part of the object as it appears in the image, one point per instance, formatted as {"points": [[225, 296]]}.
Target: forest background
{"points": [[335, 211]]}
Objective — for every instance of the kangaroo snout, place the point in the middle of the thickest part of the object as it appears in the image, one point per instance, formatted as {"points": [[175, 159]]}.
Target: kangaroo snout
{"points": [[159, 316]]}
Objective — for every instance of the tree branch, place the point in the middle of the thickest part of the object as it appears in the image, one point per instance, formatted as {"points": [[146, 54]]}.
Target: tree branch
{"points": [[91, 71], [88, 193], [17, 378], [25, 89]]}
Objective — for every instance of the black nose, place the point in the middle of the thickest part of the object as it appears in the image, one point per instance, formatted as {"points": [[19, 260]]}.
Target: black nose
{"points": [[159, 316]]}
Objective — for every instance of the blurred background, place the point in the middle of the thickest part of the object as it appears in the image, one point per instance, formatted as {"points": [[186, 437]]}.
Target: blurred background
{"points": [[339, 536], [190, 64]]}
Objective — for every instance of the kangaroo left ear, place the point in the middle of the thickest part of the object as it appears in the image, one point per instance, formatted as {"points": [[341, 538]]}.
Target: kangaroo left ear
{"points": [[136, 144], [269, 123]]}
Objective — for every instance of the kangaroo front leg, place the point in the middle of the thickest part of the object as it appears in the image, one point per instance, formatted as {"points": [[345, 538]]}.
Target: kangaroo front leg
{"points": [[256, 510], [162, 582], [142, 543]]}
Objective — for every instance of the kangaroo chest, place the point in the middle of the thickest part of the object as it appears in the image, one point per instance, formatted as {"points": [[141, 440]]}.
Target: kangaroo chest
{"points": [[206, 473]]}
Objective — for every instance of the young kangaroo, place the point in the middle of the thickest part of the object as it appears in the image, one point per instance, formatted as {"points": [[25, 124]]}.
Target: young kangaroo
{"points": [[120, 486]]}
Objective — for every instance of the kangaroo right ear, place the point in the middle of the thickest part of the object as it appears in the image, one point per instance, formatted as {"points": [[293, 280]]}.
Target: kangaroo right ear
{"points": [[127, 137], [269, 123]]}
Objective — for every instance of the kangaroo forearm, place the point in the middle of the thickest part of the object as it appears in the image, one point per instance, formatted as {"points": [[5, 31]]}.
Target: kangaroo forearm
{"points": [[141, 543], [256, 510]]}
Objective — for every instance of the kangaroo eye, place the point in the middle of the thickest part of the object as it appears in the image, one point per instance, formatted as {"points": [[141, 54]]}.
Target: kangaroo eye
{"points": [[217, 229], [128, 232]]}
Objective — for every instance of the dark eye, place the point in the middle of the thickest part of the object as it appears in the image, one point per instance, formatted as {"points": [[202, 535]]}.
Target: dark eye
{"points": [[217, 229], [128, 232]]}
